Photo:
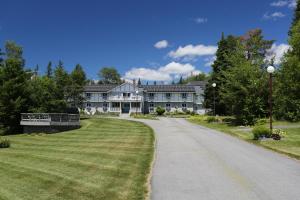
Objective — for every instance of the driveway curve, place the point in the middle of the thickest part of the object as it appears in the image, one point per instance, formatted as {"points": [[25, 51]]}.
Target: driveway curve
{"points": [[194, 163]]}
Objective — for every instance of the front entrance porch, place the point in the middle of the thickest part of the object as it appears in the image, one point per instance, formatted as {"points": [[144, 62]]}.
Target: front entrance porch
{"points": [[126, 107]]}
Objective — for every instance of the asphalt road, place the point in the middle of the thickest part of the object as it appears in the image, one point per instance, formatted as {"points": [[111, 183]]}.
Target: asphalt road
{"points": [[195, 163]]}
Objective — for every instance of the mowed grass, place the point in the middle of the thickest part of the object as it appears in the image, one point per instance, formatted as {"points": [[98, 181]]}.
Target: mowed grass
{"points": [[289, 145], [104, 159]]}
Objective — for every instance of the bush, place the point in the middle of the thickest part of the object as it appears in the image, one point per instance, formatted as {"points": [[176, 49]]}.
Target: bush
{"points": [[260, 132], [211, 119], [261, 122], [4, 143], [160, 111]]}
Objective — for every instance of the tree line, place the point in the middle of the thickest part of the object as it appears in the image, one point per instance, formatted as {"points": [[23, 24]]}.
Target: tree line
{"points": [[23, 90], [240, 74]]}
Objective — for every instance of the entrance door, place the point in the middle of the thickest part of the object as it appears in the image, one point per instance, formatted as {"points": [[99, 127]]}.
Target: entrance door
{"points": [[125, 107]]}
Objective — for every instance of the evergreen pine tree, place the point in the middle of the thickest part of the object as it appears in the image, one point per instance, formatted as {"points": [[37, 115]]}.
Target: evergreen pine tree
{"points": [[287, 88], [49, 70], [139, 82]]}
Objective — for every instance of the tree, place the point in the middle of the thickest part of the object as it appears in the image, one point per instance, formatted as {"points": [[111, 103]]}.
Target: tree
{"points": [[14, 95], [139, 82], [154, 83], [287, 88], [180, 80], [244, 90], [49, 70], [78, 81], [62, 82], [227, 47], [109, 75]]}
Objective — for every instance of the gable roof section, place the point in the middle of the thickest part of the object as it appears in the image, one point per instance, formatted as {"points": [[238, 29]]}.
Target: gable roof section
{"points": [[99, 88]]}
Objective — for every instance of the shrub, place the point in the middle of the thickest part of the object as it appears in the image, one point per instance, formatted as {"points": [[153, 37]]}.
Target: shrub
{"points": [[260, 132], [261, 122], [160, 111], [4, 143], [211, 119], [280, 132]]}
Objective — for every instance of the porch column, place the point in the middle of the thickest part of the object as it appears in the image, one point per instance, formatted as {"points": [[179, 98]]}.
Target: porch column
{"points": [[120, 107], [130, 107]]}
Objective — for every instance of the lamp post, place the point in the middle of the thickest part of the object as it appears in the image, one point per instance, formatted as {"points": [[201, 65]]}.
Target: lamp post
{"points": [[271, 70], [214, 85], [136, 92]]}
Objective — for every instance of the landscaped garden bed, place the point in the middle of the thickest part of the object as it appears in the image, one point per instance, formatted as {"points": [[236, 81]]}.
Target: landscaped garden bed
{"points": [[288, 143]]}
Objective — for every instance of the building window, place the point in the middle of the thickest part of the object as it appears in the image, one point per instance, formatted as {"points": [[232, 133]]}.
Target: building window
{"points": [[168, 106], [105, 107], [126, 94], [104, 95], [115, 104], [151, 107], [183, 106], [168, 95], [151, 95], [184, 95], [88, 105], [88, 95]]}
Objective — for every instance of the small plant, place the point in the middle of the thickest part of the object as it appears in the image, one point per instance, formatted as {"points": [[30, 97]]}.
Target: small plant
{"points": [[260, 132], [4, 143], [160, 110], [279, 132], [261, 122], [212, 119]]}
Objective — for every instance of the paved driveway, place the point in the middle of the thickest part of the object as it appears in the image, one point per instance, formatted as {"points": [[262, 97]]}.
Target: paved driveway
{"points": [[194, 163]]}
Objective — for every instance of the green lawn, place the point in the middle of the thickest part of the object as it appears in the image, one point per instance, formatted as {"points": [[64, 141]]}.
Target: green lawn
{"points": [[104, 159], [289, 145]]}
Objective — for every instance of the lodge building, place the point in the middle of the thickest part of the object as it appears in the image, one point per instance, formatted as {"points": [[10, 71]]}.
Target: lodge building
{"points": [[129, 98]]}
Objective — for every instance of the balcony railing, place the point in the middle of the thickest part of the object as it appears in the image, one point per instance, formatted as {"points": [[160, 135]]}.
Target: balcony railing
{"points": [[122, 98], [49, 119]]}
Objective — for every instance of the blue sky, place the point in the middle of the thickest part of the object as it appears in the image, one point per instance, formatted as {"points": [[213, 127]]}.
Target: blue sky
{"points": [[123, 33]]}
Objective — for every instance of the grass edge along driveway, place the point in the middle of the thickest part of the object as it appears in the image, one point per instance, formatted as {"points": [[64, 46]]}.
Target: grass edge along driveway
{"points": [[290, 145], [104, 159]]}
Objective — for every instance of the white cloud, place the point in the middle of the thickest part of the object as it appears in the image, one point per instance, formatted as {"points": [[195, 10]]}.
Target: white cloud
{"points": [[161, 44], [190, 51], [163, 73], [273, 16], [284, 3], [209, 61], [279, 3], [200, 20], [277, 52]]}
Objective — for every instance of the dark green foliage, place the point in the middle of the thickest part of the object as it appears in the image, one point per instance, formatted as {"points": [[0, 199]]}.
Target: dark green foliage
{"points": [[75, 89], [180, 80], [226, 48], [4, 143], [287, 87], [212, 119], [109, 75], [14, 94], [139, 82], [241, 79], [49, 72], [160, 111], [260, 132]]}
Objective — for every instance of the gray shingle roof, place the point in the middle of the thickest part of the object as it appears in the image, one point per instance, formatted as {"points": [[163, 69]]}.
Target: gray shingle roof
{"points": [[202, 84], [99, 88], [168, 88]]}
